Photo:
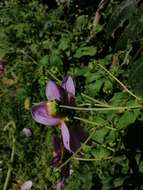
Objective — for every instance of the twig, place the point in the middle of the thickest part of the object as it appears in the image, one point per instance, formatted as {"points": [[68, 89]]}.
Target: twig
{"points": [[96, 101], [119, 82], [93, 123], [92, 159]]}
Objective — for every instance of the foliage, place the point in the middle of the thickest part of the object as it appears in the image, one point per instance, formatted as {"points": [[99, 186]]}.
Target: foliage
{"points": [[40, 44]]}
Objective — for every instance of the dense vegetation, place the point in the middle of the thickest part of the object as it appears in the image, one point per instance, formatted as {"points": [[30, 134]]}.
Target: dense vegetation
{"points": [[99, 44]]}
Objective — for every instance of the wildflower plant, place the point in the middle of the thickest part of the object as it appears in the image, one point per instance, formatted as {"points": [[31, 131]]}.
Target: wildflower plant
{"points": [[50, 113]]}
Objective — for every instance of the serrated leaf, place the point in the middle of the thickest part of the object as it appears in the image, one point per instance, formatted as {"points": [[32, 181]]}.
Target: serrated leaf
{"points": [[100, 153]]}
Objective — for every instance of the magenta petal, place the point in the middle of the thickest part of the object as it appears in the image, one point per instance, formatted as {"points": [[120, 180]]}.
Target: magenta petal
{"points": [[68, 85], [52, 91], [65, 136], [40, 115]]}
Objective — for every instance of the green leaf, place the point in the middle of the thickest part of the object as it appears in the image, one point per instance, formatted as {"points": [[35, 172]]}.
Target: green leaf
{"points": [[94, 88], [81, 22], [85, 51], [108, 86], [127, 118], [44, 60], [100, 134], [119, 98], [100, 153], [118, 182], [55, 59], [64, 43]]}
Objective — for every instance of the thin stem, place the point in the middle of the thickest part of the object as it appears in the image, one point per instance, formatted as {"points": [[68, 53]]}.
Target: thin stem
{"points": [[119, 82], [94, 100], [104, 146], [101, 109], [85, 104], [78, 150], [53, 76], [87, 121], [28, 56], [92, 159], [92, 123], [126, 57], [10, 168]]}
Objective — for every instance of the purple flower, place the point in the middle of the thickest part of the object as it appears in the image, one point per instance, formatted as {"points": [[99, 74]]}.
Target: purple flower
{"points": [[49, 112]]}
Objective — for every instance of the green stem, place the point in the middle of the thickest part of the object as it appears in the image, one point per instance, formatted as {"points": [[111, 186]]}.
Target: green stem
{"points": [[96, 101], [92, 159], [104, 146], [78, 150], [101, 109], [84, 104], [53, 76], [92, 123], [119, 82], [10, 168], [87, 121]]}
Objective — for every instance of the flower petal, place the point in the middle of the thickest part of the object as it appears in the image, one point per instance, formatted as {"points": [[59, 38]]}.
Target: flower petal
{"points": [[68, 85], [53, 91], [27, 132], [27, 185], [65, 136], [77, 135], [60, 183], [40, 115]]}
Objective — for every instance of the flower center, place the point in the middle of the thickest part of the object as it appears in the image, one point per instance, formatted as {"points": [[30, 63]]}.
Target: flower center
{"points": [[52, 107]]}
